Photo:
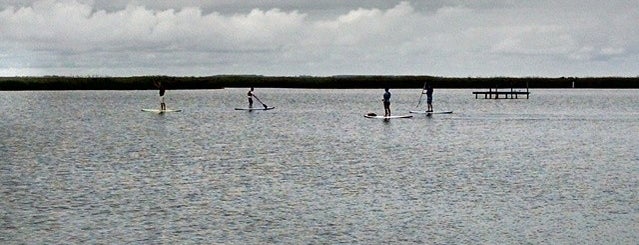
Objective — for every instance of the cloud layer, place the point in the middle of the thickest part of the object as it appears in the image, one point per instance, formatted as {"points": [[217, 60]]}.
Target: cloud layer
{"points": [[446, 37]]}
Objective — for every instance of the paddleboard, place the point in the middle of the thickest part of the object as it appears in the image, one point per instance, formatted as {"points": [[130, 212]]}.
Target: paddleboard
{"points": [[432, 112], [255, 109], [389, 117], [161, 111]]}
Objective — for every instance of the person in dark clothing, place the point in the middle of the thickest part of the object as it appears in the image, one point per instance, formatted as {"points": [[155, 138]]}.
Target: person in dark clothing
{"points": [[250, 95], [429, 98], [387, 96], [162, 89]]}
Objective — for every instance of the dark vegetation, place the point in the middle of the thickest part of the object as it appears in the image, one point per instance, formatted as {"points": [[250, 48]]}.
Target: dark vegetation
{"points": [[222, 81]]}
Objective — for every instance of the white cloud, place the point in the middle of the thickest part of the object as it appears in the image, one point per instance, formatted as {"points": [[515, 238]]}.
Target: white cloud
{"points": [[535, 40], [69, 24], [445, 37]]}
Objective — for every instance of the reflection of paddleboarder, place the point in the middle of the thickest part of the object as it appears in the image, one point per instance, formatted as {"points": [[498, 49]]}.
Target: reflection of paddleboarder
{"points": [[250, 95], [387, 96], [160, 86]]}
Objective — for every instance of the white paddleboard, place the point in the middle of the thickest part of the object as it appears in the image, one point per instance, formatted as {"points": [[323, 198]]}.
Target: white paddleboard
{"points": [[389, 117], [432, 112], [161, 111], [255, 109]]}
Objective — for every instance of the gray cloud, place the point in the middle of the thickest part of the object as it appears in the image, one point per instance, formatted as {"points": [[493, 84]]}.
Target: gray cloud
{"points": [[445, 37]]}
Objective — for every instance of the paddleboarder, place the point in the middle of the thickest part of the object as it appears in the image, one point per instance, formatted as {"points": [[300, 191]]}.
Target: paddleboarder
{"points": [[387, 96], [250, 95], [162, 89], [429, 98]]}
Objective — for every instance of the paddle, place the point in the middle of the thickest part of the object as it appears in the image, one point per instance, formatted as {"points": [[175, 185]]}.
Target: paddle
{"points": [[420, 96], [265, 106]]}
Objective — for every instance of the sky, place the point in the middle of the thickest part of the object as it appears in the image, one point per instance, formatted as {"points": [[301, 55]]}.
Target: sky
{"points": [[451, 38]]}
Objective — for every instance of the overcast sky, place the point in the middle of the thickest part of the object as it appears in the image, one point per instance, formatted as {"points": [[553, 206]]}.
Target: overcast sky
{"points": [[454, 38]]}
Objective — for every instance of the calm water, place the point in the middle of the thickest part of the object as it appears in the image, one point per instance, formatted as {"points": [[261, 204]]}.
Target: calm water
{"points": [[90, 167]]}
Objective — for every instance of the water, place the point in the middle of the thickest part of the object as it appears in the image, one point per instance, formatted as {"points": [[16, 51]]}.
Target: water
{"points": [[89, 167]]}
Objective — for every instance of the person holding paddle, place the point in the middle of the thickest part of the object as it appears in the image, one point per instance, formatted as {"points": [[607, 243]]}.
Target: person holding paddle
{"points": [[250, 95], [160, 86], [429, 98]]}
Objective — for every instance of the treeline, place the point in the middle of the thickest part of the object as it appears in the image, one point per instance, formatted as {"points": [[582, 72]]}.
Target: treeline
{"points": [[103, 83], [223, 81]]}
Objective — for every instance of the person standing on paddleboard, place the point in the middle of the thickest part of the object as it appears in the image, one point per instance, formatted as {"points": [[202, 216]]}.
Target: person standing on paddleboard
{"points": [[250, 95], [429, 98], [160, 86], [387, 96]]}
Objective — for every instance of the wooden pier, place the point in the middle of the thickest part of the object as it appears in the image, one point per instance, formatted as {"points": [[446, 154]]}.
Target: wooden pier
{"points": [[494, 93]]}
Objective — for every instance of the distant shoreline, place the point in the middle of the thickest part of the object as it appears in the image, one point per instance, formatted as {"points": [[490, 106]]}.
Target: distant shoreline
{"points": [[328, 82]]}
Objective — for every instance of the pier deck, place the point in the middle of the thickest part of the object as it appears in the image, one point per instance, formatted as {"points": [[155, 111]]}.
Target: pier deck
{"points": [[512, 94]]}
